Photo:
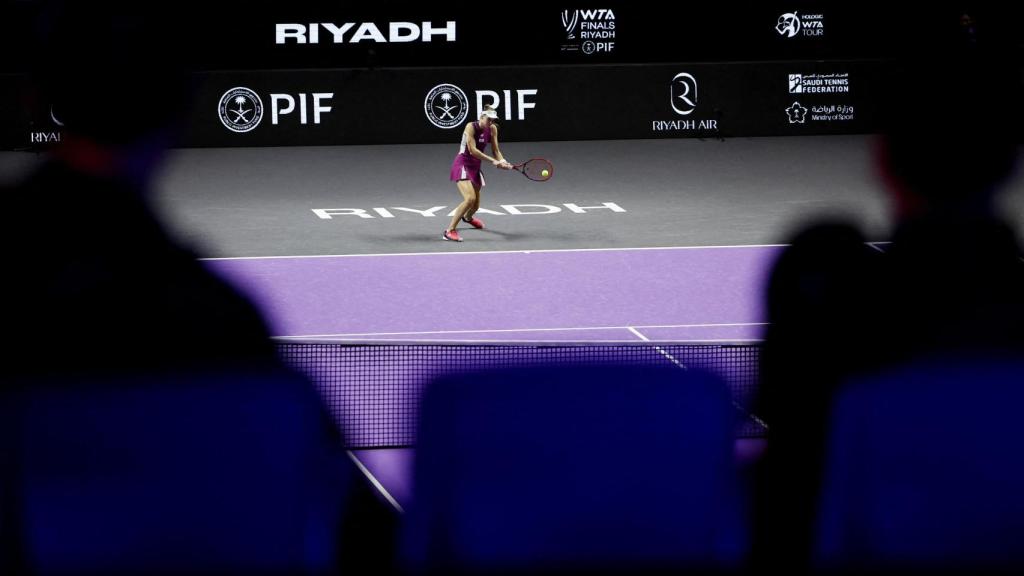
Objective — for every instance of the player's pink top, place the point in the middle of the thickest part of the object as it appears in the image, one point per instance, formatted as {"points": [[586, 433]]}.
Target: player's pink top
{"points": [[483, 138]]}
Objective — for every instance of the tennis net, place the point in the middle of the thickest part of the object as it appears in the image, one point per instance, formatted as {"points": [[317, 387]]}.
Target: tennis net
{"points": [[374, 389]]}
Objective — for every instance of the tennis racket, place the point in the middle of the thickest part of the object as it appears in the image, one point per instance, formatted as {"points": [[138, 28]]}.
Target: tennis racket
{"points": [[536, 169]]}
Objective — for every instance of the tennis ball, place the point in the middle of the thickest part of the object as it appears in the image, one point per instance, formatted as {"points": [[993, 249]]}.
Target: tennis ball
{"points": [[544, 173]]}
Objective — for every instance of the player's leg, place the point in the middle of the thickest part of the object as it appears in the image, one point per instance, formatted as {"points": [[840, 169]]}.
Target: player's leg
{"points": [[468, 217], [468, 192]]}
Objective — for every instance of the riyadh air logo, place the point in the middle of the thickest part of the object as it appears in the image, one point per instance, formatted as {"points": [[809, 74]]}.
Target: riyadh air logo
{"points": [[684, 93], [797, 113], [788, 25], [569, 20], [446, 106], [48, 135], [240, 109], [54, 118]]}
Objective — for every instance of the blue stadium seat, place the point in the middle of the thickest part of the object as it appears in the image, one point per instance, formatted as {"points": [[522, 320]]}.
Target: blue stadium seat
{"points": [[924, 470], [196, 473], [575, 468]]}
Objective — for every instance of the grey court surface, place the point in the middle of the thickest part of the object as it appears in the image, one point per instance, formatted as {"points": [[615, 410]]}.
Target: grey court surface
{"points": [[243, 202], [263, 202]]}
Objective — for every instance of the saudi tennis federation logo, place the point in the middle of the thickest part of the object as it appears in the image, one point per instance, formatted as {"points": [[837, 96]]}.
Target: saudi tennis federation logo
{"points": [[446, 106], [788, 25], [684, 93], [240, 109]]}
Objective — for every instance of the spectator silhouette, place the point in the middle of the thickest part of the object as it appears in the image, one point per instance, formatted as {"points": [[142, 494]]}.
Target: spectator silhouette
{"points": [[96, 290], [95, 282], [950, 282]]}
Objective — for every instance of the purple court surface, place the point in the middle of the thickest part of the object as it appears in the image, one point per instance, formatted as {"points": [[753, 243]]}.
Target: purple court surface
{"points": [[657, 294]]}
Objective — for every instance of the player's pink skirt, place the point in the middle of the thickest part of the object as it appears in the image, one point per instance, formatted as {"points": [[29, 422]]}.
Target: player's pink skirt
{"points": [[464, 170]]}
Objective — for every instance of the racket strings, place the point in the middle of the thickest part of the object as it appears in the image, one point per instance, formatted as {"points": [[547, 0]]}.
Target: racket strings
{"points": [[538, 169]]}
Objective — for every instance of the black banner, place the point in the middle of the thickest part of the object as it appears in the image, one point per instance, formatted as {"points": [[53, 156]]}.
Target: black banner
{"points": [[427, 105], [536, 103], [303, 34]]}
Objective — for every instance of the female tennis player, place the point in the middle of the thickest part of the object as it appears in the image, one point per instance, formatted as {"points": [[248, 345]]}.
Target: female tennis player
{"points": [[466, 171]]}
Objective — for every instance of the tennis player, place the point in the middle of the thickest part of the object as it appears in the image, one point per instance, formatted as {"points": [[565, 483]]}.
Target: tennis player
{"points": [[466, 173]]}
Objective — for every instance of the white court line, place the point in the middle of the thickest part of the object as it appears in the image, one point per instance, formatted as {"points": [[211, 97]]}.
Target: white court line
{"points": [[376, 483], [543, 250], [660, 350], [546, 250], [506, 330], [534, 342], [676, 361]]}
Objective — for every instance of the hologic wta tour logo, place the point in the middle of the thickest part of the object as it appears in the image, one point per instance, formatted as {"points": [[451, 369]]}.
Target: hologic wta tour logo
{"points": [[793, 24], [589, 31]]}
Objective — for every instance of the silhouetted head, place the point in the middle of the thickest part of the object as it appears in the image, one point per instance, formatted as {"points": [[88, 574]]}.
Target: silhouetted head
{"points": [[951, 129], [113, 74]]}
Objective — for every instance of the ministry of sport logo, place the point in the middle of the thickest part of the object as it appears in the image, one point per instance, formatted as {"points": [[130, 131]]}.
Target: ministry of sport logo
{"points": [[792, 24], [797, 114], [240, 109], [446, 106], [800, 114]]}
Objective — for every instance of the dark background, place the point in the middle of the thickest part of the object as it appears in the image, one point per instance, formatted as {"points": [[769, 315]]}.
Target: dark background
{"points": [[741, 64]]}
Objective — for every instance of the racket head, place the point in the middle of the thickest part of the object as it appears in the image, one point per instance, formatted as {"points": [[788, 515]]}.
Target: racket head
{"points": [[535, 168]]}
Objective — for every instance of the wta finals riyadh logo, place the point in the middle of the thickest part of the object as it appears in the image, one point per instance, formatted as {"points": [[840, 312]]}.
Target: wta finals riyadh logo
{"points": [[589, 31], [240, 109], [569, 20], [446, 106]]}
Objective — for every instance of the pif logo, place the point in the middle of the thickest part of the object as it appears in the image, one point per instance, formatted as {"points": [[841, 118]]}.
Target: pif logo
{"points": [[240, 109], [447, 106]]}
